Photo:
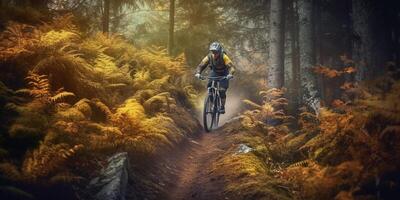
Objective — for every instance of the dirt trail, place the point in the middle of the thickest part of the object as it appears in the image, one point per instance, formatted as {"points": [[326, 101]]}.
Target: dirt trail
{"points": [[193, 180]]}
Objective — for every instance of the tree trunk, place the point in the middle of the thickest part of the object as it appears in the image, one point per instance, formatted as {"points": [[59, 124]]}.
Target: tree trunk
{"points": [[288, 48], [106, 16], [115, 18], [291, 66], [276, 51], [309, 91], [397, 42], [171, 26], [363, 41], [317, 34]]}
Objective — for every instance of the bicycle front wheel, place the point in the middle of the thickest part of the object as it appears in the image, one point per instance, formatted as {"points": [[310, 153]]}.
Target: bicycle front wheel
{"points": [[208, 114]]}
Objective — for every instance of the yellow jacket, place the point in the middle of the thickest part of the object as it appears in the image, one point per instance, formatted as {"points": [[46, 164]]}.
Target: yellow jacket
{"points": [[218, 65]]}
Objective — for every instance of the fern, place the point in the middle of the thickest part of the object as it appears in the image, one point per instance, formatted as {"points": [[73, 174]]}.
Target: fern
{"points": [[47, 160], [84, 107], [71, 114], [61, 96], [103, 108], [65, 178], [11, 171], [39, 86], [251, 103], [53, 39], [332, 73], [61, 22], [102, 69], [20, 39], [117, 86], [303, 163], [159, 103]]}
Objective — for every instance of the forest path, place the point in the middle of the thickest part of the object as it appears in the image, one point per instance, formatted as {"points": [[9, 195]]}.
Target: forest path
{"points": [[194, 180]]}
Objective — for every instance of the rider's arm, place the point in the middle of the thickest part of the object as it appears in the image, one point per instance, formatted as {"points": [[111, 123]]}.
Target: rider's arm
{"points": [[204, 63], [228, 62]]}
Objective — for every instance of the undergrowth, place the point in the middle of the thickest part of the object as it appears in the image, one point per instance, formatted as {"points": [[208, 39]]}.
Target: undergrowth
{"points": [[84, 97], [349, 151]]}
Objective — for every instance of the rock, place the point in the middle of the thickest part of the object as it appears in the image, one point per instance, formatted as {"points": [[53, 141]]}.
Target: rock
{"points": [[243, 149], [113, 179]]}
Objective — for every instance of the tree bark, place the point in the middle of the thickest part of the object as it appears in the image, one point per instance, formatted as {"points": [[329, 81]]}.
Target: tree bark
{"points": [[276, 50], [288, 48], [106, 16], [397, 41], [171, 26], [309, 90], [291, 66], [317, 34], [363, 41]]}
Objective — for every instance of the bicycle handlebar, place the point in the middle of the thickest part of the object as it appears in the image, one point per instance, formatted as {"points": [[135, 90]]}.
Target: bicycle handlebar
{"points": [[217, 78]]}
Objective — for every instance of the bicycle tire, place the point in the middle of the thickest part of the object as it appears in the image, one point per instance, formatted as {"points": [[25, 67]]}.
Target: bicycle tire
{"points": [[208, 109]]}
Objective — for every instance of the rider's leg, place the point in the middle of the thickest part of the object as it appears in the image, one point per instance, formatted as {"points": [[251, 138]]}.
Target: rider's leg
{"points": [[208, 86], [224, 85], [222, 93]]}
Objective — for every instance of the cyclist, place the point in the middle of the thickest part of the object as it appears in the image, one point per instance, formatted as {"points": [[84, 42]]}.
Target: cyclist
{"points": [[220, 65]]}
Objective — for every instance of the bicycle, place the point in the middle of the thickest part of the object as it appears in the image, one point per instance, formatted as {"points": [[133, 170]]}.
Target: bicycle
{"points": [[212, 103]]}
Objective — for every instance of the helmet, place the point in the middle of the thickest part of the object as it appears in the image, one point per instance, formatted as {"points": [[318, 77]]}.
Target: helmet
{"points": [[215, 46]]}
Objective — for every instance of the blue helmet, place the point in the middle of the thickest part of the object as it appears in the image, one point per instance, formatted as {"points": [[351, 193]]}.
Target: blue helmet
{"points": [[215, 46]]}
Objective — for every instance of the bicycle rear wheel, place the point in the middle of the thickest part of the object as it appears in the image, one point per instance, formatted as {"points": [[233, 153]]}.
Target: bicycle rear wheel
{"points": [[208, 114]]}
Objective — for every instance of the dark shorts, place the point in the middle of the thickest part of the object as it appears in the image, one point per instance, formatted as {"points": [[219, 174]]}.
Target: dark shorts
{"points": [[223, 83]]}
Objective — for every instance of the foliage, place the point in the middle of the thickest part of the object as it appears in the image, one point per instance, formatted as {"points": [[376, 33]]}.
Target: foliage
{"points": [[87, 96], [270, 115], [332, 73], [350, 140], [336, 154]]}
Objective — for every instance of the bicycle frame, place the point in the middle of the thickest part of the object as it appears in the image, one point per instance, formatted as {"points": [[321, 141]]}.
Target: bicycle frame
{"points": [[215, 102], [215, 89]]}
